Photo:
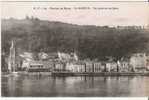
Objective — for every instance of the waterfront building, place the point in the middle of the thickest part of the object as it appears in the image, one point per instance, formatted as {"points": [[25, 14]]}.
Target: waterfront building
{"points": [[108, 67], [75, 67], [59, 66], [111, 66], [124, 66], [138, 61], [36, 64], [40, 66], [89, 67], [75, 57], [27, 57], [114, 66], [25, 64], [35, 67], [97, 67]]}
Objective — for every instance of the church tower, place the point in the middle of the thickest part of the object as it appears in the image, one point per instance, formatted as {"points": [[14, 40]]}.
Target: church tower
{"points": [[11, 59]]}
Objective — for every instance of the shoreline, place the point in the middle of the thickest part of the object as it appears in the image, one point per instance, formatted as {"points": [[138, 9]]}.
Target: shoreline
{"points": [[79, 73], [103, 74]]}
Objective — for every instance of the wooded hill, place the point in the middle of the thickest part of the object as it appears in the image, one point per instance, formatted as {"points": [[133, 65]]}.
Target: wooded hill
{"points": [[94, 42]]}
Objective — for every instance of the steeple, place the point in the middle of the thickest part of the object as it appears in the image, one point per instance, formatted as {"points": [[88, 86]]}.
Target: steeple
{"points": [[12, 45], [11, 59]]}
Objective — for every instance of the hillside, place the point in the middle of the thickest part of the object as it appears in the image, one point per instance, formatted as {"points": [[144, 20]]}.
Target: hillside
{"points": [[92, 42]]}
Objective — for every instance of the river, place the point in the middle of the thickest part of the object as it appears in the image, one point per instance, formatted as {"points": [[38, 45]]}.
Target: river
{"points": [[47, 86]]}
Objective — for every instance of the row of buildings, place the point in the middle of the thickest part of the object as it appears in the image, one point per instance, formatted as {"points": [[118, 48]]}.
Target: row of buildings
{"points": [[82, 66], [60, 62]]}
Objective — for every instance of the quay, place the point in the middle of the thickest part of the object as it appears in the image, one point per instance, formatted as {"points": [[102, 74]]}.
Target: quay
{"points": [[100, 74], [79, 73]]}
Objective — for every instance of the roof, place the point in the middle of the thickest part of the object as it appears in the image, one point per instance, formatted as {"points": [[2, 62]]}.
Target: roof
{"points": [[36, 63], [27, 56], [41, 62]]}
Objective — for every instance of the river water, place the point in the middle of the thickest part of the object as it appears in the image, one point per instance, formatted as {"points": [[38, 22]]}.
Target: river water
{"points": [[47, 86]]}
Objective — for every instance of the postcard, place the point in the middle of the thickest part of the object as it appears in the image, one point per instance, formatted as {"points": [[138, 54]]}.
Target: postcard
{"points": [[75, 49]]}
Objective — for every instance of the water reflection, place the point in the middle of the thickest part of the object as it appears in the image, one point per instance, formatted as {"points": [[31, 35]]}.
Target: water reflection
{"points": [[74, 86]]}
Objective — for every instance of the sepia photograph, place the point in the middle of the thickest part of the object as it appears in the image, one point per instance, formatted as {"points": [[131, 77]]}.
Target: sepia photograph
{"points": [[74, 49]]}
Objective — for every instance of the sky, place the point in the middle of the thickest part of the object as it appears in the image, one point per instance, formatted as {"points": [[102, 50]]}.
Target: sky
{"points": [[98, 13]]}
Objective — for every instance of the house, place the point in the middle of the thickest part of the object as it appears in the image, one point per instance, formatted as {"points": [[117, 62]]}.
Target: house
{"points": [[89, 67], [36, 64], [59, 66], [97, 67], [42, 56], [67, 57], [26, 57], [138, 61], [47, 56], [111, 66], [25, 64], [124, 66], [40, 66], [75, 67], [35, 67]]}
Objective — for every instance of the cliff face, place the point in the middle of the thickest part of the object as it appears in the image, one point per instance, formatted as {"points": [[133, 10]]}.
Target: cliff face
{"points": [[89, 41]]}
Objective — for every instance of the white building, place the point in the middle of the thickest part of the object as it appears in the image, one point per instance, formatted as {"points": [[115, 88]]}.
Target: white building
{"points": [[67, 57], [43, 56], [138, 60], [75, 67], [27, 58]]}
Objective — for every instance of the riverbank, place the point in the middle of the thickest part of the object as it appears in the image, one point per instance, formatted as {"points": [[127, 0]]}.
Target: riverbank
{"points": [[80, 73], [101, 74]]}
